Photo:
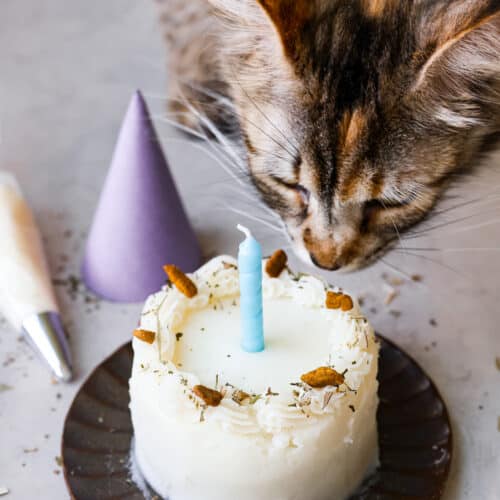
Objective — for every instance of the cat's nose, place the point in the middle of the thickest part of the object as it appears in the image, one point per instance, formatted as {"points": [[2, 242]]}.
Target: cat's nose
{"points": [[324, 251], [333, 266]]}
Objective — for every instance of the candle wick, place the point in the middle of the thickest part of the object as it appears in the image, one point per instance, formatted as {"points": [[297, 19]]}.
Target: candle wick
{"points": [[244, 230]]}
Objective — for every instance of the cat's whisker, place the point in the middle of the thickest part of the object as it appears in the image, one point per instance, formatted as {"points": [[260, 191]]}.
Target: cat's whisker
{"points": [[183, 128], [227, 182], [230, 148], [399, 235], [439, 263], [155, 96], [271, 215], [202, 136], [273, 244], [271, 137], [216, 158], [234, 111], [400, 271], [253, 197], [257, 211], [223, 103], [255, 205], [279, 239], [424, 232], [257, 107], [263, 217], [476, 226], [215, 151], [475, 201], [274, 154], [223, 150], [395, 226], [217, 96], [453, 250], [254, 218]]}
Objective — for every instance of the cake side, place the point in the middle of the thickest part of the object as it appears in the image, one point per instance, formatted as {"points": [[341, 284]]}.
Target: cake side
{"points": [[317, 442]]}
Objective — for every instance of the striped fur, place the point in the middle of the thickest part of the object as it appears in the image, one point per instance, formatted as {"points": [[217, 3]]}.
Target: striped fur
{"points": [[355, 113]]}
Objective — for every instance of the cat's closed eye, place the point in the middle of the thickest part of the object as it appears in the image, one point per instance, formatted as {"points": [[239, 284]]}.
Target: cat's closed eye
{"points": [[304, 193]]}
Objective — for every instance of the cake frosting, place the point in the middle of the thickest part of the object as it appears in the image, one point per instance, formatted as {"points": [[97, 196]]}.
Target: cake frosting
{"points": [[274, 434]]}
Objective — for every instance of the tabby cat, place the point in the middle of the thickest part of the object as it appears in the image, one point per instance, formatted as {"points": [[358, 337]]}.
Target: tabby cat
{"points": [[355, 114]]}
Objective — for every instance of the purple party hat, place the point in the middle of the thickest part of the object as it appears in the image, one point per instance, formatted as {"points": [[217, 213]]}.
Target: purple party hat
{"points": [[140, 223]]}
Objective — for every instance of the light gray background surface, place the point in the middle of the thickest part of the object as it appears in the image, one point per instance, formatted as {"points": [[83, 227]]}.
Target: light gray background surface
{"points": [[67, 71]]}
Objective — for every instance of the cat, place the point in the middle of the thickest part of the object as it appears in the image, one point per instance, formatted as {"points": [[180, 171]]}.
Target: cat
{"points": [[355, 114]]}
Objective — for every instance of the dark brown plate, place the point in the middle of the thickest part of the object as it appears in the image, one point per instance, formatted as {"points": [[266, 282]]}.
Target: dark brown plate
{"points": [[414, 433]]}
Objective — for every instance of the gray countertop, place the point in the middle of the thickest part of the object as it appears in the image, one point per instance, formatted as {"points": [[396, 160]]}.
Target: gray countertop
{"points": [[67, 71]]}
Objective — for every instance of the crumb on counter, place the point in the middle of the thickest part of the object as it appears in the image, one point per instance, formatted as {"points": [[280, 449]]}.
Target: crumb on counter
{"points": [[391, 294], [396, 281]]}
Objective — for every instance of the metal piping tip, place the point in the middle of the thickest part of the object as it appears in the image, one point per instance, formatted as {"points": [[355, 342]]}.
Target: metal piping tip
{"points": [[46, 334]]}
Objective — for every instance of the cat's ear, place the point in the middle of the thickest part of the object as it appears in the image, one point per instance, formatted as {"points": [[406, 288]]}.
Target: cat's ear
{"points": [[459, 51], [289, 18]]}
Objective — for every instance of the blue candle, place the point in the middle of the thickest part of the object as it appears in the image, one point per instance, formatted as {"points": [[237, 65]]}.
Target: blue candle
{"points": [[250, 269]]}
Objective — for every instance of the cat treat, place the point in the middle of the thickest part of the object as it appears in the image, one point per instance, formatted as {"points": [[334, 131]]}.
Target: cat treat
{"points": [[276, 263], [180, 281]]}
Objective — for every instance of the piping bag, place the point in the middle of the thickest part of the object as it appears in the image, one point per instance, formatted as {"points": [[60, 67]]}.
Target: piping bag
{"points": [[27, 297]]}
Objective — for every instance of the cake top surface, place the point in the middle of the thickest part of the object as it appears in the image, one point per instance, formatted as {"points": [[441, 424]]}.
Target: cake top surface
{"points": [[296, 340], [319, 348]]}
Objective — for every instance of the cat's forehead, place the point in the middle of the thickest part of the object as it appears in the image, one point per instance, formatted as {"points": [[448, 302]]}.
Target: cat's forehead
{"points": [[344, 52], [347, 92], [347, 67]]}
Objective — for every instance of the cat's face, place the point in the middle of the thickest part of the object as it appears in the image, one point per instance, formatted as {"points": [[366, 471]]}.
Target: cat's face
{"points": [[346, 183], [356, 115]]}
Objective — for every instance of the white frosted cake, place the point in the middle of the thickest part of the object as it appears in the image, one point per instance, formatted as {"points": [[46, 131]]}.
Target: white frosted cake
{"points": [[212, 422]]}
